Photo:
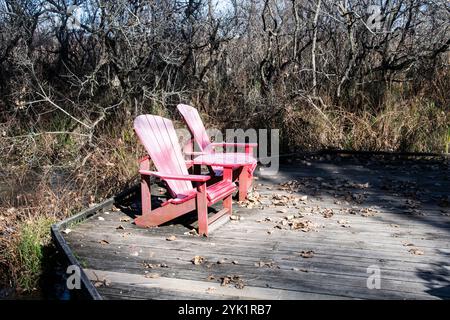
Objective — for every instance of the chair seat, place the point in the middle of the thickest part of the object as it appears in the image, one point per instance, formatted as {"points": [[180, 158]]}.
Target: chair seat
{"points": [[214, 193], [218, 171], [219, 190]]}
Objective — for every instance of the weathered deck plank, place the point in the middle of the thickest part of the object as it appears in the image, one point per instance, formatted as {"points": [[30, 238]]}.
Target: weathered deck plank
{"points": [[268, 259]]}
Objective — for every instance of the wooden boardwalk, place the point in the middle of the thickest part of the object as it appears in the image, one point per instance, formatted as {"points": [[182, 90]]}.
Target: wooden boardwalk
{"points": [[310, 232]]}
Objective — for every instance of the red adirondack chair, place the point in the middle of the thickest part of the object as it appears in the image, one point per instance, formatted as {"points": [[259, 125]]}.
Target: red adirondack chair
{"points": [[158, 136], [200, 137]]}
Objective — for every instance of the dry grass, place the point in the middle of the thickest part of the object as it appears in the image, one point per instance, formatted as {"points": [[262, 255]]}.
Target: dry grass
{"points": [[37, 193], [405, 126]]}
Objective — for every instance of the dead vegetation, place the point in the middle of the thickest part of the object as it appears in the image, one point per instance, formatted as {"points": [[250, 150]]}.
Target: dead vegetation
{"points": [[313, 69]]}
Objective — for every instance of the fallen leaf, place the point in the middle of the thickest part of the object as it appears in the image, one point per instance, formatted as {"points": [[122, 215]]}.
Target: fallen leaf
{"points": [[304, 226], [192, 232], [368, 212], [171, 238], [104, 242], [327, 213], [269, 264], [152, 275], [343, 223], [198, 260], [307, 254], [236, 280], [120, 227], [125, 219], [225, 281], [150, 265], [101, 283], [66, 231], [416, 251]]}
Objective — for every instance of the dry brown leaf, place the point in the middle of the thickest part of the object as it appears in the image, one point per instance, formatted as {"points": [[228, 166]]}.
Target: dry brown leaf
{"points": [[104, 242], [304, 226], [193, 232], [327, 213], [102, 283], [268, 264], [344, 223], [416, 251], [152, 275], [210, 290], [236, 280], [198, 260], [307, 254], [171, 238], [125, 219]]}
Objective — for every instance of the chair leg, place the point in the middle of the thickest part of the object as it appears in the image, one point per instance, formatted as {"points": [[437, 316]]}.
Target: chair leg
{"points": [[228, 204], [244, 182], [228, 201], [249, 181], [145, 189], [202, 210], [146, 195]]}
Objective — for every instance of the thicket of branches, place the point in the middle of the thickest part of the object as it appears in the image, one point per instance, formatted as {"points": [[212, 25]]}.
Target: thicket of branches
{"points": [[74, 74], [251, 62]]}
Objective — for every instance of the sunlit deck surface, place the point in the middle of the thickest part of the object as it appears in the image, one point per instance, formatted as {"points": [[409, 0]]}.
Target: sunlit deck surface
{"points": [[359, 212]]}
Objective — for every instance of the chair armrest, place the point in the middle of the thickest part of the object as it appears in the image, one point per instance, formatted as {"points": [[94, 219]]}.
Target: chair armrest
{"points": [[195, 153], [195, 178], [248, 146], [232, 144]]}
